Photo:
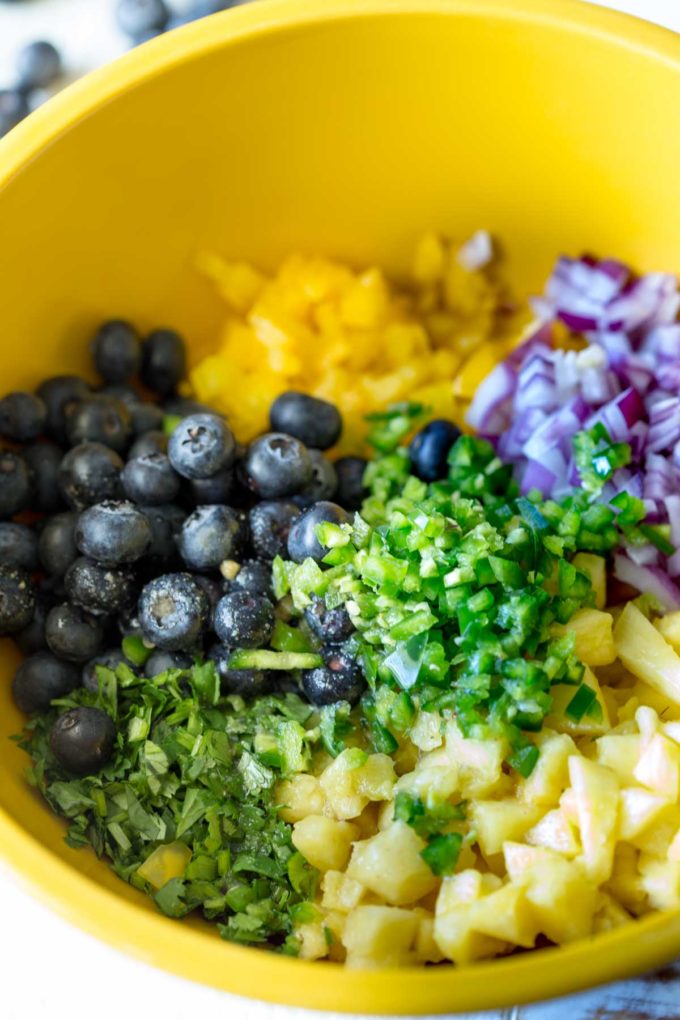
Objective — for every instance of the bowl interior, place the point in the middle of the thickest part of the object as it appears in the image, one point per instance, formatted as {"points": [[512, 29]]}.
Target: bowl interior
{"points": [[346, 131]]}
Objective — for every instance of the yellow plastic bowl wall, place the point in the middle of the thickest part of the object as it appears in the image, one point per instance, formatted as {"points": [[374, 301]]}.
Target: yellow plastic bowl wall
{"points": [[343, 127]]}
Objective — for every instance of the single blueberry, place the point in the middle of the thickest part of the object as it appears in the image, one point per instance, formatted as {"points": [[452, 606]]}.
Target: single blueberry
{"points": [[351, 491], [40, 679], [18, 546], [73, 634], [89, 474], [15, 484], [99, 419], [254, 577], [98, 589], [277, 465], [83, 739], [23, 416], [316, 422], [340, 679], [200, 446], [429, 449], [57, 543], [303, 541], [153, 441], [164, 361], [270, 524], [243, 620], [38, 65], [150, 479], [43, 461], [113, 532], [331, 626], [17, 600], [209, 536], [59, 393], [324, 481], [116, 351], [173, 611]]}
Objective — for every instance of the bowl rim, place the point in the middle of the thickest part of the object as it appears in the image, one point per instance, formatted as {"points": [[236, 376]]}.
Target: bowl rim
{"points": [[196, 954]]}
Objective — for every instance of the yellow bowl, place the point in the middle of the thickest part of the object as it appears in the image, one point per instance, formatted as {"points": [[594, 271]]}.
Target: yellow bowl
{"points": [[344, 127]]}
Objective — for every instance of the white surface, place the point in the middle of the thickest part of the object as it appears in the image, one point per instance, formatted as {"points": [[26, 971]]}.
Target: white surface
{"points": [[50, 968]]}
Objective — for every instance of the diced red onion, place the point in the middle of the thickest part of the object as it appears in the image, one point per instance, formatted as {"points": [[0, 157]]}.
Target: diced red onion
{"points": [[477, 251], [651, 579], [664, 425], [490, 410], [643, 555]]}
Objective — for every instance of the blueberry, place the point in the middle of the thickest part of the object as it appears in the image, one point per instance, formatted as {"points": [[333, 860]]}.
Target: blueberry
{"points": [[204, 8], [113, 532], [18, 546], [302, 540], [57, 543], [209, 536], [249, 683], [58, 393], [99, 419], [161, 662], [324, 480], [182, 407], [43, 461], [173, 612], [200, 446], [116, 351], [243, 620], [430, 447], [254, 577], [72, 634], [145, 418], [164, 361], [216, 489], [40, 679], [17, 600], [340, 679], [110, 660], [89, 474], [277, 465], [122, 391], [330, 625], [15, 484], [212, 588], [316, 422], [351, 490], [165, 523], [137, 17], [150, 480], [38, 65], [31, 638], [270, 523], [83, 739], [129, 624], [23, 416], [98, 589], [13, 109], [153, 441]]}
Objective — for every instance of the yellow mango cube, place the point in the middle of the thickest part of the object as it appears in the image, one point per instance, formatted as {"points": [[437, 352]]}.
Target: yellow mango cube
{"points": [[376, 936], [594, 640], [596, 790], [596, 569], [324, 842], [645, 652], [497, 821], [165, 862], [390, 865]]}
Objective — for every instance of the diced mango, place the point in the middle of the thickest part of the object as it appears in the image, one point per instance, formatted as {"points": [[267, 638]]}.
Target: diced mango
{"points": [[165, 862], [596, 790], [324, 842], [390, 865], [645, 652], [594, 641]]}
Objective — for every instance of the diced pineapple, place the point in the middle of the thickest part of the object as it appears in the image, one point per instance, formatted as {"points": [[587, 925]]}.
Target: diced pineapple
{"points": [[479, 762], [165, 862], [661, 703], [452, 932], [594, 641], [551, 773], [659, 767], [520, 858], [377, 936], [426, 731], [427, 950], [505, 915], [340, 892], [465, 887], [349, 787], [334, 924], [661, 881], [324, 842], [672, 731], [645, 652], [674, 849], [302, 795], [390, 865], [647, 722], [596, 569], [638, 809], [609, 914], [587, 725], [669, 627], [625, 885], [657, 839], [596, 790], [562, 899], [555, 832], [620, 753], [497, 821], [312, 939]]}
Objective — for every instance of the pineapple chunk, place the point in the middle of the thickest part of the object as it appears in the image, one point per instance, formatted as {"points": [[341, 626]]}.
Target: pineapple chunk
{"points": [[301, 795], [562, 899], [569, 806], [637, 810], [661, 881], [657, 839], [625, 885], [669, 628], [430, 783], [452, 932], [596, 569], [659, 767], [349, 788], [645, 652], [167, 861], [465, 887], [479, 762], [554, 832], [390, 865], [505, 915], [426, 731], [609, 914], [497, 821], [586, 725], [324, 842], [594, 641], [334, 924], [520, 859], [340, 892], [377, 936], [312, 939], [551, 773], [674, 849], [427, 950], [619, 752], [596, 790]]}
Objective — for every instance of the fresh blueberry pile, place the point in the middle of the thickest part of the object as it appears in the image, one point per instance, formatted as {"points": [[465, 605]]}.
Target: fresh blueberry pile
{"points": [[37, 67], [136, 529]]}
